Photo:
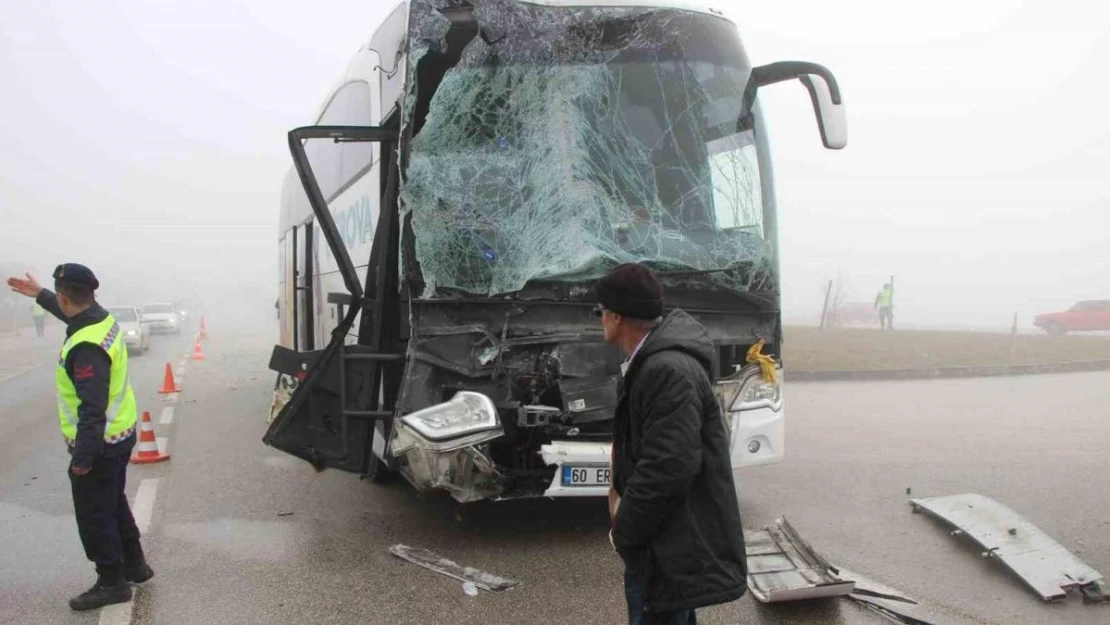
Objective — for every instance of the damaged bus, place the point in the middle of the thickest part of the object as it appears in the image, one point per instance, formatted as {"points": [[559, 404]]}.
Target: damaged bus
{"points": [[478, 166]]}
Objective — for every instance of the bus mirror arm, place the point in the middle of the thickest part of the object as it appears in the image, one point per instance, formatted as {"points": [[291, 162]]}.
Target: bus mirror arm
{"points": [[828, 105]]}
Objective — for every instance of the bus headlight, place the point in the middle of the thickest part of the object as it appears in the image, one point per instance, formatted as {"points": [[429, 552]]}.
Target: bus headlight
{"points": [[441, 446], [466, 419], [747, 390], [755, 392]]}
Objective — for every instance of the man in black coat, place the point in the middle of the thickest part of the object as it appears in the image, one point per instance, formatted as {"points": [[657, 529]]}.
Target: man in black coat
{"points": [[675, 516]]}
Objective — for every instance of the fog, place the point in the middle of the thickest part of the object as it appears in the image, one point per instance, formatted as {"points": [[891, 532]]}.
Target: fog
{"points": [[147, 140]]}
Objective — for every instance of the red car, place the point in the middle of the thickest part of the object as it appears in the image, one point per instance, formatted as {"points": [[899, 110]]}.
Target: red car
{"points": [[1083, 317]]}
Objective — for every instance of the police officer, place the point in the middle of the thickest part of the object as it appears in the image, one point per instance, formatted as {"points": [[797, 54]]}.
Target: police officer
{"points": [[97, 410]]}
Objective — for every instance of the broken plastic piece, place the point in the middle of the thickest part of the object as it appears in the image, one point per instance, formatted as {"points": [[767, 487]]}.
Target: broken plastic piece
{"points": [[882, 599], [1041, 562], [783, 567], [443, 566], [1092, 593], [896, 606]]}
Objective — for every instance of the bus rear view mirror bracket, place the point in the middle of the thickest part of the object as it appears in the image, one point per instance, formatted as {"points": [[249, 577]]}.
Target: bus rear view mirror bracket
{"points": [[346, 300], [824, 92], [338, 134]]}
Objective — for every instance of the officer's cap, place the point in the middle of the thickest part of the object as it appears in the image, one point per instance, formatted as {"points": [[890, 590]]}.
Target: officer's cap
{"points": [[73, 273]]}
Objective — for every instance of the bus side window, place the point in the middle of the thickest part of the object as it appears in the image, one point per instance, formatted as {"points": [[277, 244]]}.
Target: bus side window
{"points": [[337, 165]]}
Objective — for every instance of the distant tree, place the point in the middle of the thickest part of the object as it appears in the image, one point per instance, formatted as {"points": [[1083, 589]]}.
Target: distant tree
{"points": [[839, 295]]}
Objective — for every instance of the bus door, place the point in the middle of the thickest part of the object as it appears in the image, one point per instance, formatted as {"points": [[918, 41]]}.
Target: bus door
{"points": [[304, 305]]}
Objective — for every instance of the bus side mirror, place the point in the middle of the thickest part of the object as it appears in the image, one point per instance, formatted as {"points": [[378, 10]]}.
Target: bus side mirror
{"points": [[824, 92], [832, 118]]}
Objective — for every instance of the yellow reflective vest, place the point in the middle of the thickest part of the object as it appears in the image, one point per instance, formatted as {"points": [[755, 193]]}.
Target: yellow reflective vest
{"points": [[122, 409], [886, 296]]}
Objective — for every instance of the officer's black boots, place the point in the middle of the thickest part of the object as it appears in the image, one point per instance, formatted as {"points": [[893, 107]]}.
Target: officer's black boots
{"points": [[135, 568], [111, 584], [110, 587]]}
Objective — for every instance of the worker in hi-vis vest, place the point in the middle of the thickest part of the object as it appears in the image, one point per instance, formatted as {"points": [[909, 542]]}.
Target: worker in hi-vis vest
{"points": [[97, 413], [884, 301]]}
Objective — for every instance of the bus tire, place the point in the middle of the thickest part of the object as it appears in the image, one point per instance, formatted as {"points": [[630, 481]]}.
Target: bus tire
{"points": [[376, 471]]}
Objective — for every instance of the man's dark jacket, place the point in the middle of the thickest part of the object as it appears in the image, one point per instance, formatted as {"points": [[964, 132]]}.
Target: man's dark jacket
{"points": [[678, 510]]}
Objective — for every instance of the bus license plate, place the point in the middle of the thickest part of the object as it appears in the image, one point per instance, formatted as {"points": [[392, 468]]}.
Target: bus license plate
{"points": [[585, 476]]}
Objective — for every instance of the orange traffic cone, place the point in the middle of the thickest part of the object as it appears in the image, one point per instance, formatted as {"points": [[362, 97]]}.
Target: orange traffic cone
{"points": [[146, 451], [168, 384], [198, 353], [203, 329]]}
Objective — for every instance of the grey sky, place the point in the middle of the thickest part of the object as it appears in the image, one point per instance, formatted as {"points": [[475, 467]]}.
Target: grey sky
{"points": [[974, 171]]}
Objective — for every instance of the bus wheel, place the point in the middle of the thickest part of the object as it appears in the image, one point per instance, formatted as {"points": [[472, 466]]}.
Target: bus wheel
{"points": [[377, 472]]}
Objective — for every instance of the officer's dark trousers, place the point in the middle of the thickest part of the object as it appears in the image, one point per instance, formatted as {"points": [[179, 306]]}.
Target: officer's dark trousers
{"points": [[104, 519]]}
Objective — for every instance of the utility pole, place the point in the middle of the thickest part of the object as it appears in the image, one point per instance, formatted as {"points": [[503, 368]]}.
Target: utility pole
{"points": [[825, 308]]}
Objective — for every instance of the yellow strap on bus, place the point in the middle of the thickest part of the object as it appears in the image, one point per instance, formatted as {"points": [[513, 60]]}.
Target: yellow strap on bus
{"points": [[766, 363]]}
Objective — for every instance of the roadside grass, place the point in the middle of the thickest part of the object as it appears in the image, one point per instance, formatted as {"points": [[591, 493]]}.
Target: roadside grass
{"points": [[851, 349]]}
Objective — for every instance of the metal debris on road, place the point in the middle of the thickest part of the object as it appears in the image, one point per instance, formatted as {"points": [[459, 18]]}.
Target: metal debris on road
{"points": [[890, 603], [443, 566], [783, 567], [1041, 562]]}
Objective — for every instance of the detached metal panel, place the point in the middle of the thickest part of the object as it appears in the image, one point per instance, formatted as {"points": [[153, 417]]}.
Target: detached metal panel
{"points": [[1041, 562]]}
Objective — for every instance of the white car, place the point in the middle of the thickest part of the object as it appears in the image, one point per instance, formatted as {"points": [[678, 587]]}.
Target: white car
{"points": [[135, 332], [162, 317]]}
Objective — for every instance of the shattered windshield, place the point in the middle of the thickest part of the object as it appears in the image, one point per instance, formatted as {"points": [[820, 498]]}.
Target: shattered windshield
{"points": [[553, 143]]}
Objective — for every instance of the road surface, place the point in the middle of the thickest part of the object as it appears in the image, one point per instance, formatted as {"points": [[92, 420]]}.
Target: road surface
{"points": [[241, 533]]}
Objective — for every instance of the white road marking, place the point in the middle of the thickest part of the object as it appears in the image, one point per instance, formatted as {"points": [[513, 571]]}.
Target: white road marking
{"points": [[167, 416], [116, 614], [161, 440], [171, 397], [143, 508]]}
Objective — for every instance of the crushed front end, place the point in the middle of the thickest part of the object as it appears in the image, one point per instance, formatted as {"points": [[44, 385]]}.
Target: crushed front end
{"points": [[499, 398]]}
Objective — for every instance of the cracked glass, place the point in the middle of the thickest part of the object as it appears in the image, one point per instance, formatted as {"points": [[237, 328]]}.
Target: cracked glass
{"points": [[550, 144]]}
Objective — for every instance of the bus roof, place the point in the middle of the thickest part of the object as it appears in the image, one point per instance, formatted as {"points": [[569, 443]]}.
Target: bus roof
{"points": [[701, 6]]}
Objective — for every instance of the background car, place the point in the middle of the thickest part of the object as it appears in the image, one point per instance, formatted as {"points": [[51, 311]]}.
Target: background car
{"points": [[1088, 316], [182, 310], [162, 317], [135, 332]]}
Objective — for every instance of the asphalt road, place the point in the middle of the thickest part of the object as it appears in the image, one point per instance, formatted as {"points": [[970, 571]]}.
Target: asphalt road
{"points": [[241, 533]]}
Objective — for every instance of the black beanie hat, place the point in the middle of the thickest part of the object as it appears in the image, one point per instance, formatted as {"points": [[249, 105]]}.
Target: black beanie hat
{"points": [[631, 290]]}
